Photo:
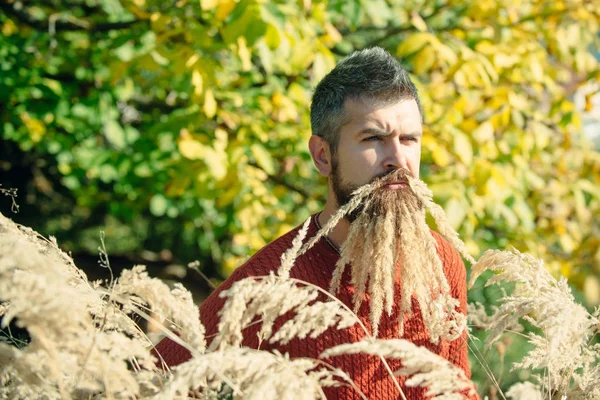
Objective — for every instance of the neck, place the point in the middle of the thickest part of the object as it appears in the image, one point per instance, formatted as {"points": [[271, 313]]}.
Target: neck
{"points": [[339, 232]]}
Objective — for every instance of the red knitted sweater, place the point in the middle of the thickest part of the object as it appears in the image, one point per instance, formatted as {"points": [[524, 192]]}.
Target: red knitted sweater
{"points": [[316, 266]]}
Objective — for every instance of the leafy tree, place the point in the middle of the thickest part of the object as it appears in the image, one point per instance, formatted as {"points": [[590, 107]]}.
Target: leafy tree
{"points": [[183, 125]]}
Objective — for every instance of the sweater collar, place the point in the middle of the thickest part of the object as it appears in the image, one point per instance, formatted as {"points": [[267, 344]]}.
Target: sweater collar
{"points": [[329, 242]]}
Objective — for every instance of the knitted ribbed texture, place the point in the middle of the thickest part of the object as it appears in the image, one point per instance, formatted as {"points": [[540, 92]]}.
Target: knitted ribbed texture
{"points": [[316, 266]]}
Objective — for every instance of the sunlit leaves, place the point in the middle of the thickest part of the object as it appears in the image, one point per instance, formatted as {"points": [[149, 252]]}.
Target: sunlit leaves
{"points": [[198, 113]]}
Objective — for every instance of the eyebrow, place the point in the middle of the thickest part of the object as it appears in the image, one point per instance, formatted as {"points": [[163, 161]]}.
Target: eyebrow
{"points": [[380, 132]]}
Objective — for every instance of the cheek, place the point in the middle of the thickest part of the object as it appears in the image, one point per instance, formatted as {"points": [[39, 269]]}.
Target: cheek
{"points": [[358, 166], [414, 162]]}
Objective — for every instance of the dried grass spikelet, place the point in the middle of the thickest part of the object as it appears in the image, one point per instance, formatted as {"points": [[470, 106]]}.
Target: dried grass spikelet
{"points": [[358, 196], [478, 317], [135, 288], [289, 256], [524, 391], [443, 380], [430, 287], [567, 328], [586, 383], [270, 297], [425, 195], [252, 374]]}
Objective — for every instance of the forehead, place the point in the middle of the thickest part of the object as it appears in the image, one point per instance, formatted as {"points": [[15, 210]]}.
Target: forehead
{"points": [[403, 115]]}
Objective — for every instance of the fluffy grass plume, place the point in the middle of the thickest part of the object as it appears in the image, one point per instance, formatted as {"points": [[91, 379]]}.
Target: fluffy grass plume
{"points": [[270, 297], [563, 348]]}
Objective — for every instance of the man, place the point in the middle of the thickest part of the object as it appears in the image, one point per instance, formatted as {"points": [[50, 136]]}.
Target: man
{"points": [[366, 121]]}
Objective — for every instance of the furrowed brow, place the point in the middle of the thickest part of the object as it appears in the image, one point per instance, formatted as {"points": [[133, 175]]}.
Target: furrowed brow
{"points": [[374, 131], [411, 135]]}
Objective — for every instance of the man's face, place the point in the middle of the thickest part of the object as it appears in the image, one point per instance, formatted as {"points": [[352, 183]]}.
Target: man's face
{"points": [[375, 141]]}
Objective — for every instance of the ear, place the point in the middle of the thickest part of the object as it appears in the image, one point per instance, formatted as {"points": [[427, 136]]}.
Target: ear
{"points": [[321, 154]]}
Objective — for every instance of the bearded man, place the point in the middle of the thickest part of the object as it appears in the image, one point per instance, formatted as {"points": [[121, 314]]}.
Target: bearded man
{"points": [[371, 248]]}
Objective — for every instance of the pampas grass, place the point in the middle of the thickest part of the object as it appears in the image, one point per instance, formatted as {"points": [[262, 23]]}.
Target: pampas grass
{"points": [[563, 348], [269, 297]]}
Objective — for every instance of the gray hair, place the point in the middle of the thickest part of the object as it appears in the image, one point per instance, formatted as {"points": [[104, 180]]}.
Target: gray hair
{"points": [[372, 74]]}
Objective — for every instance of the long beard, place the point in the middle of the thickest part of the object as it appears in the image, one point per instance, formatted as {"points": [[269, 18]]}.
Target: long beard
{"points": [[389, 243]]}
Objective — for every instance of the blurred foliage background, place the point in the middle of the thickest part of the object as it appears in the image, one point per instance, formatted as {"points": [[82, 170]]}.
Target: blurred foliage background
{"points": [[180, 127]]}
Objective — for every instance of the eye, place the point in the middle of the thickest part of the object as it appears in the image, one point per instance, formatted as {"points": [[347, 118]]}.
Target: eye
{"points": [[372, 139]]}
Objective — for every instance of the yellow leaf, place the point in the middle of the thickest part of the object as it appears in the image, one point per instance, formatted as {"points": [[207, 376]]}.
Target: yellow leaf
{"points": [[224, 9], [567, 243], [460, 79], [440, 156], [197, 82], [322, 64], [244, 54], [424, 60], [503, 60], [9, 28], [210, 104], [209, 4], [483, 133], [413, 43], [283, 229], [263, 158], [332, 33], [462, 147], [36, 128], [216, 162], [456, 212], [192, 60], [482, 172], [417, 21], [191, 149], [537, 71], [489, 150], [272, 37], [446, 54], [444, 190], [230, 195], [303, 55], [472, 247], [591, 290]]}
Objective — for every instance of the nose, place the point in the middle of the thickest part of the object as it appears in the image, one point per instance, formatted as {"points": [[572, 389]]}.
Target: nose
{"points": [[395, 157]]}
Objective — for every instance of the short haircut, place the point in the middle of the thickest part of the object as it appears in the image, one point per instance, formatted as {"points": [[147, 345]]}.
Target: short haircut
{"points": [[373, 75]]}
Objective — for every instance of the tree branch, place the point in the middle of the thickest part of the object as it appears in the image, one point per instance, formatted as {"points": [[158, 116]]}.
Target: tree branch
{"points": [[405, 28], [279, 181]]}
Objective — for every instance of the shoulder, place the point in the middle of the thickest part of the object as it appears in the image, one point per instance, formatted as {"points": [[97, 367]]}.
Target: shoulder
{"points": [[451, 260], [446, 251], [268, 258]]}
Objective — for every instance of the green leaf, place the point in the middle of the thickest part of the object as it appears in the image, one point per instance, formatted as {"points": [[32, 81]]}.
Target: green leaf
{"points": [[246, 20], [158, 205], [115, 134]]}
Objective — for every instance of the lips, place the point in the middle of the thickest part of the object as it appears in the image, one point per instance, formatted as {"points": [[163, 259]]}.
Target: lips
{"points": [[396, 185]]}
